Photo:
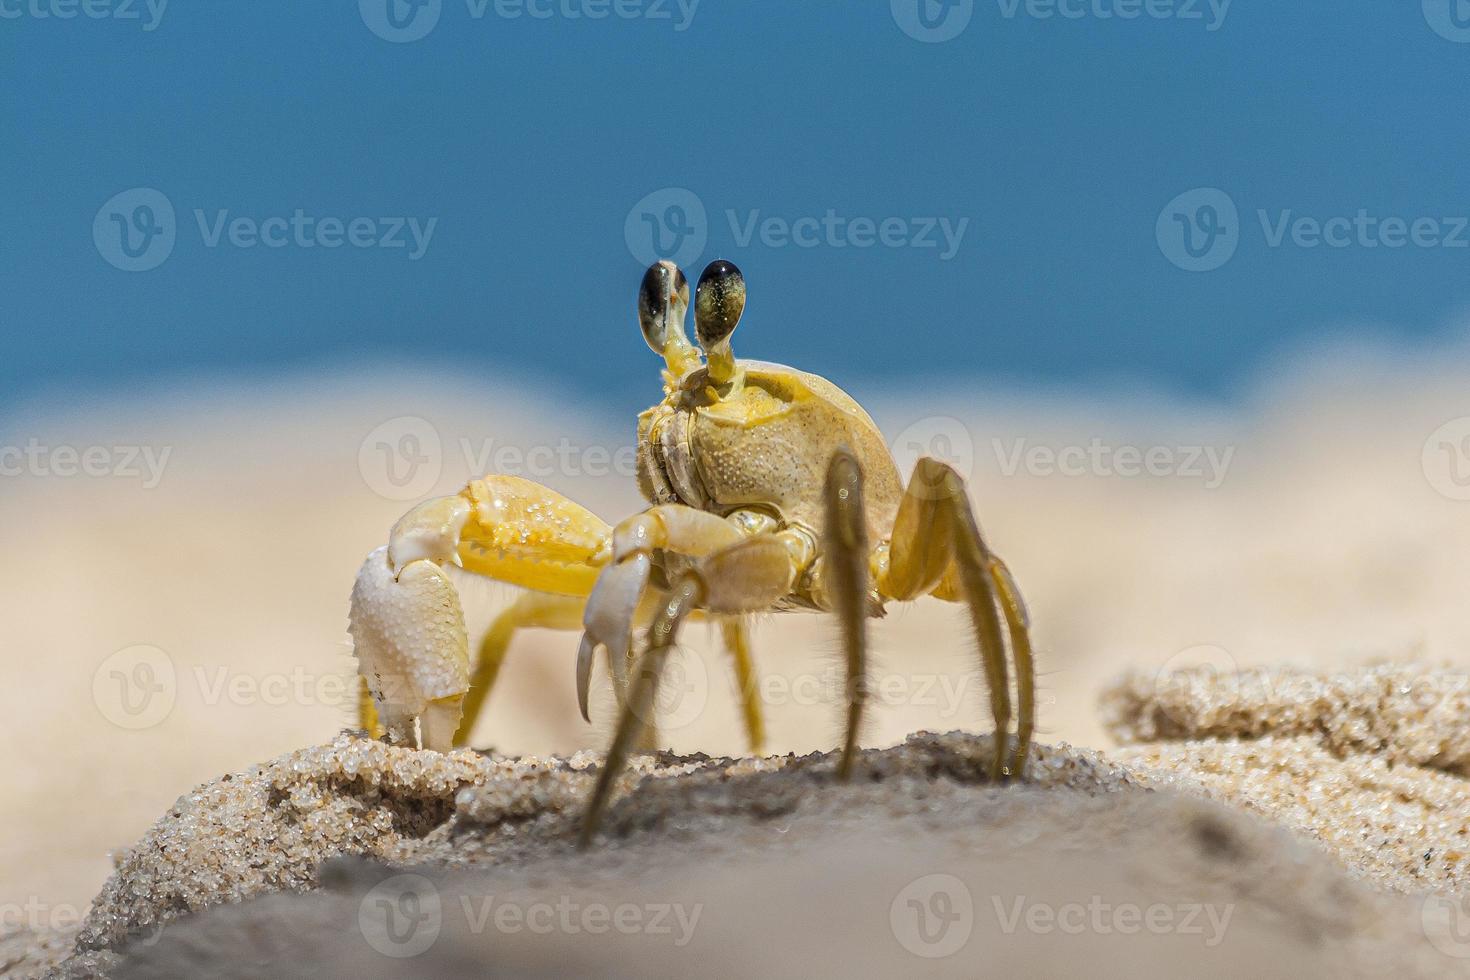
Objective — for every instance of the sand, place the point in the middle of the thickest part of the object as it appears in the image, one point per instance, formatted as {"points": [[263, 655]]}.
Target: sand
{"points": [[1298, 822]]}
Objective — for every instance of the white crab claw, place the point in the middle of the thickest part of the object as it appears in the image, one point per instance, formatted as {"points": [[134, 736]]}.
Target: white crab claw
{"points": [[409, 636], [584, 672], [608, 620]]}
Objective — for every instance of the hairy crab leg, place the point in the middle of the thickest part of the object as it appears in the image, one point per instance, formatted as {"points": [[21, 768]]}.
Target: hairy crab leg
{"points": [[936, 547], [736, 636], [845, 570]]}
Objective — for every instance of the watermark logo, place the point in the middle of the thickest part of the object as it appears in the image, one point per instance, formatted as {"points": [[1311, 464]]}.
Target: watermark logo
{"points": [[1208, 464], [570, 917], [91, 9], [135, 230], [402, 458], [939, 437], [933, 916], [932, 21], [1446, 922], [1446, 459], [65, 461], [35, 915], [1211, 13], [1199, 230], [682, 692], [668, 224], [136, 687], [400, 21], [1450, 19], [401, 916], [834, 230], [1200, 669], [1101, 917], [673, 224]]}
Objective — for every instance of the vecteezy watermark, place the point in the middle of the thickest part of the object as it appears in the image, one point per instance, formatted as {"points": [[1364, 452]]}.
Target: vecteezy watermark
{"points": [[947, 694], [1211, 13], [933, 916], [1200, 229], [1446, 923], [669, 223], [401, 21], [933, 21], [833, 230], [136, 230], [34, 915], [65, 461], [1100, 917], [940, 437], [1446, 459], [136, 687], [220, 684], [684, 690], [672, 223], [568, 916], [1209, 464], [403, 458], [402, 916], [148, 13], [1450, 19]]}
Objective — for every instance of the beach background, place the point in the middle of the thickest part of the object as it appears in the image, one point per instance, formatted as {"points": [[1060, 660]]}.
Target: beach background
{"points": [[1180, 287]]}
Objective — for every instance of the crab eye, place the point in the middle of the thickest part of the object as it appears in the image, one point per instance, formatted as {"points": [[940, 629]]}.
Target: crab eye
{"points": [[662, 300], [719, 299]]}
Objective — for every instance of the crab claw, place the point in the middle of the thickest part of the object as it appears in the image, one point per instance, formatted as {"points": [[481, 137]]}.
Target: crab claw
{"points": [[409, 635], [608, 621]]}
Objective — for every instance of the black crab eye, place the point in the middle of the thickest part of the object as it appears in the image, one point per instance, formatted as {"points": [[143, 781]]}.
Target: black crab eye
{"points": [[662, 300], [719, 299]]}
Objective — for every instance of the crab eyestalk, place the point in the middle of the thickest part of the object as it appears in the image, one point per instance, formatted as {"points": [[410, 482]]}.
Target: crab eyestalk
{"points": [[663, 299], [719, 300]]}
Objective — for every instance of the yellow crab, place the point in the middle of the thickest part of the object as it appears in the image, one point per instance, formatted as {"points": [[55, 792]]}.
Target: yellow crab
{"points": [[770, 488]]}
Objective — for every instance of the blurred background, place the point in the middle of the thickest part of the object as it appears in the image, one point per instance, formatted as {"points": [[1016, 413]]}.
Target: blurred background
{"points": [[1180, 285]]}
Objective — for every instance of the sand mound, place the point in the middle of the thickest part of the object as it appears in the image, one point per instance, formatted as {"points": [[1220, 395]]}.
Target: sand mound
{"points": [[1151, 860], [269, 829]]}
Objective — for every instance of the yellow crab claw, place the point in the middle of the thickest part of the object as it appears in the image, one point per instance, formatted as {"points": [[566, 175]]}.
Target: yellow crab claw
{"points": [[406, 622], [409, 634]]}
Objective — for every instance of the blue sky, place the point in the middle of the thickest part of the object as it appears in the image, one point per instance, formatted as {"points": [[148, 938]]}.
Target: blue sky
{"points": [[1004, 203]]}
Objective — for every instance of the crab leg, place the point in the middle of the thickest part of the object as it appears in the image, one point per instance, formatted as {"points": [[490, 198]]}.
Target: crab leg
{"points": [[745, 577], [844, 564], [533, 609], [937, 548], [608, 620], [737, 643]]}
